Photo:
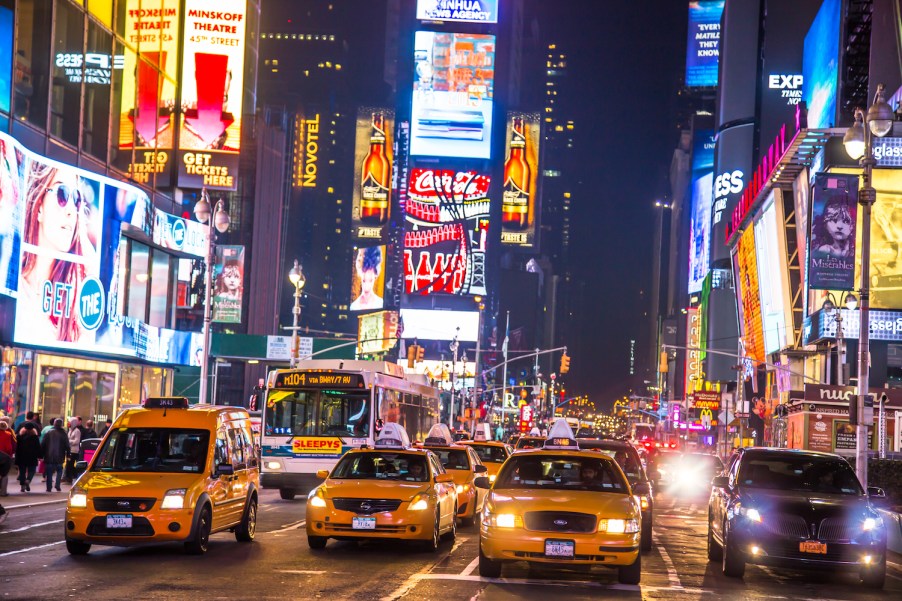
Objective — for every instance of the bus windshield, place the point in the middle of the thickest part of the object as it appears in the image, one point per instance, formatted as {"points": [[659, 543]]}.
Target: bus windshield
{"points": [[317, 413]]}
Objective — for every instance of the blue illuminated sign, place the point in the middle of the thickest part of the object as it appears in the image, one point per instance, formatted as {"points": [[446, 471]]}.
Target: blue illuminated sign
{"points": [[820, 66], [703, 44], [472, 11]]}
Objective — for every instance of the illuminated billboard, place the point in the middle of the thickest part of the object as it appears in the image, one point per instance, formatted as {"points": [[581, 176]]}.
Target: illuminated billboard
{"points": [[453, 88], [831, 252], [228, 283], [62, 257], [6, 57], [373, 160], [431, 324], [377, 332], [520, 198], [749, 296], [467, 11], [446, 225], [368, 279], [700, 212], [820, 65], [703, 44], [773, 276], [212, 91]]}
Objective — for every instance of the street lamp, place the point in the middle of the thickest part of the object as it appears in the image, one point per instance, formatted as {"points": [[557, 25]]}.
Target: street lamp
{"points": [[477, 373], [221, 221], [858, 142], [297, 279], [830, 305]]}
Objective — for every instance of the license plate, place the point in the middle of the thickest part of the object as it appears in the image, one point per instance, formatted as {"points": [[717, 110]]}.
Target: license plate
{"points": [[559, 548], [810, 546], [119, 520], [363, 523]]}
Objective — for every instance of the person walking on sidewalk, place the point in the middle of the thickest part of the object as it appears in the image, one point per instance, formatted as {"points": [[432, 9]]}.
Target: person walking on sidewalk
{"points": [[28, 452], [6, 463], [74, 448], [55, 446], [7, 450]]}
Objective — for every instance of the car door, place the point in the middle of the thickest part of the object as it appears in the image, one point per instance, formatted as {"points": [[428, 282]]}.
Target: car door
{"points": [[219, 487], [480, 492], [443, 492], [238, 481]]}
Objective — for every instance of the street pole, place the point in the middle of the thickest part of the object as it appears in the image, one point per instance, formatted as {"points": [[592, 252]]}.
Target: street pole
{"points": [[840, 348], [477, 376], [504, 352], [453, 347], [867, 196], [208, 314], [295, 338]]}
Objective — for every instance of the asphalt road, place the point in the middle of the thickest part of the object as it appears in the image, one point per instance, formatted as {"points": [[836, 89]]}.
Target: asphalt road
{"points": [[34, 564]]}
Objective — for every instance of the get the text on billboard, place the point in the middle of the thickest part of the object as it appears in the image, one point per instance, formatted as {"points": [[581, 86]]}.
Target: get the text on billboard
{"points": [[831, 250], [474, 11], [703, 44]]}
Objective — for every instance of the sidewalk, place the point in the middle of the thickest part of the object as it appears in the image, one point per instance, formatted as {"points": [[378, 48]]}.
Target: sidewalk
{"points": [[37, 496]]}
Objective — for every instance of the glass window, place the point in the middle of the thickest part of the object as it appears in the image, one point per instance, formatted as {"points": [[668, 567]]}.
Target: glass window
{"points": [[152, 384], [290, 413], [236, 441], [99, 66], [68, 72], [153, 450], [561, 473], [221, 453], [490, 453], [32, 61], [159, 290], [103, 10], [342, 414], [129, 385], [382, 466], [453, 459], [806, 473], [121, 126], [138, 269]]}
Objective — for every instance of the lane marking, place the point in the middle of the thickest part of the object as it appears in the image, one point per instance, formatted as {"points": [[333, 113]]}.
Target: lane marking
{"points": [[588, 583], [8, 507], [472, 566], [8, 553], [308, 572], [672, 574], [38, 525], [412, 581], [287, 527]]}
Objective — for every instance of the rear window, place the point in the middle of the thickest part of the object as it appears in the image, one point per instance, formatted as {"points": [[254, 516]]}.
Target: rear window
{"points": [[530, 442], [453, 459], [560, 473], [626, 457], [805, 473], [490, 454]]}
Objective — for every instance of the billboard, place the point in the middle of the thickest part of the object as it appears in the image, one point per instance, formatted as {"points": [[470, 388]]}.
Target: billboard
{"points": [[433, 324], [63, 262], [749, 296], [694, 366], [373, 161], [700, 211], [368, 279], [377, 332], [6, 57], [463, 11], [820, 65], [228, 284], [831, 251], [212, 91], [773, 276], [446, 221], [453, 88], [703, 44], [520, 198], [148, 99]]}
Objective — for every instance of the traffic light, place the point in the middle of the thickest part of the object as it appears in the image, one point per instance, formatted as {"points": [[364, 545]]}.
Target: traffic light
{"points": [[411, 356], [565, 364], [421, 351], [664, 367]]}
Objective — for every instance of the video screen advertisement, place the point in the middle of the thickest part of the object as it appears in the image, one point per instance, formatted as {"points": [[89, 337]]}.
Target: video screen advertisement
{"points": [[520, 198], [702, 188], [228, 283], [377, 332], [703, 43], [453, 88], [749, 296], [462, 11], [446, 225], [373, 163], [832, 242], [820, 65], [212, 93], [62, 258], [6, 58], [149, 91], [368, 278], [773, 276]]}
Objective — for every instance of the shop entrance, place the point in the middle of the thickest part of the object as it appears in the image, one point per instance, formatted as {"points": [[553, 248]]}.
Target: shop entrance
{"points": [[65, 392]]}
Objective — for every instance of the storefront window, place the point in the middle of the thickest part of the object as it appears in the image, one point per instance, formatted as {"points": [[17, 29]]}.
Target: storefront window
{"points": [[99, 66], [68, 72], [160, 309], [129, 385], [32, 61], [138, 272], [153, 382]]}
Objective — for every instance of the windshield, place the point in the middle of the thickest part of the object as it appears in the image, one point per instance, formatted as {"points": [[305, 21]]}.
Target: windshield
{"points": [[490, 454], [382, 466], [153, 450], [627, 458], [453, 459], [317, 413], [803, 473], [560, 473]]}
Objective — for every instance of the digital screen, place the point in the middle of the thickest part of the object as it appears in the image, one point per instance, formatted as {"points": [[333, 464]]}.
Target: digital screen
{"points": [[703, 44], [212, 92], [832, 243], [6, 57], [749, 296], [473, 11], [520, 198], [700, 213], [886, 242], [773, 279], [377, 332], [316, 379], [368, 278], [228, 283], [820, 66], [430, 324], [373, 164], [453, 87]]}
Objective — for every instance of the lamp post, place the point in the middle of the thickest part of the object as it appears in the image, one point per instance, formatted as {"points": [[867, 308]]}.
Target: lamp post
{"points": [[830, 304], [453, 346], [477, 374], [858, 142], [297, 279], [221, 222]]}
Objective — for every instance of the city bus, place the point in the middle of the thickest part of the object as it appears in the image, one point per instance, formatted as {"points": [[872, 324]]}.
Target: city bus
{"points": [[316, 412]]}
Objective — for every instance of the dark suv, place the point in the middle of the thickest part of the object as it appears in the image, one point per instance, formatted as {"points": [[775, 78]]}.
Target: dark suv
{"points": [[795, 509]]}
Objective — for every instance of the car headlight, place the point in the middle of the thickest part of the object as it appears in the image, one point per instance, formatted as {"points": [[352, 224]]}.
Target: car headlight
{"points": [[492, 477], [273, 465], [419, 503], [460, 489], [505, 520], [872, 523], [618, 526], [315, 498], [174, 499], [750, 513], [78, 498]]}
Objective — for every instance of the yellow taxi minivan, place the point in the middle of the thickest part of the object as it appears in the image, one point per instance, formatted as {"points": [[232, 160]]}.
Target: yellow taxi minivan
{"points": [[167, 472], [464, 465]]}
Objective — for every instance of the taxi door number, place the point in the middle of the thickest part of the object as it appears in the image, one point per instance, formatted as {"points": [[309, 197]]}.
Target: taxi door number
{"points": [[559, 548], [809, 546], [118, 520], [363, 523]]}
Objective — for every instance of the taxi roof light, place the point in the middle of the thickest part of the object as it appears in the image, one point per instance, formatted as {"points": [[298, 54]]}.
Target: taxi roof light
{"points": [[439, 435], [393, 436], [166, 402], [560, 436]]}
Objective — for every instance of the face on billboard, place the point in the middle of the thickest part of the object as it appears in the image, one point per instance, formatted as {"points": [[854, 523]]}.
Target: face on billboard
{"points": [[368, 279], [228, 287], [820, 66], [373, 164], [703, 47], [519, 205], [452, 95], [473, 11]]}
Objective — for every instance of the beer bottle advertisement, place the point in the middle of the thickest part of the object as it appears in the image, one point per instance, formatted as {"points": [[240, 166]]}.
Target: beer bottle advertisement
{"points": [[373, 165], [519, 197]]}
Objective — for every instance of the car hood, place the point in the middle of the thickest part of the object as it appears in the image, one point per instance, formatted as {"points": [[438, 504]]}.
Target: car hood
{"points": [[373, 489], [134, 484], [530, 499], [806, 504]]}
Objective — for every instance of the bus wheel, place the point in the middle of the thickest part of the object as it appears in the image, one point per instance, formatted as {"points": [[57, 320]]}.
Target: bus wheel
{"points": [[287, 494]]}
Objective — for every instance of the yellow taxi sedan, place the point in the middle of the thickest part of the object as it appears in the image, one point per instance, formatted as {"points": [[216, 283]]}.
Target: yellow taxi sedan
{"points": [[491, 453], [561, 506], [464, 466]]}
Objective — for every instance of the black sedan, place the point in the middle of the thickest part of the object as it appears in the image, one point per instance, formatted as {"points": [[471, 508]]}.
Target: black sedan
{"points": [[795, 509]]}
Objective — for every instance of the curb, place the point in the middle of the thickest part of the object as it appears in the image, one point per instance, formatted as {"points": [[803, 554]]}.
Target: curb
{"points": [[8, 507]]}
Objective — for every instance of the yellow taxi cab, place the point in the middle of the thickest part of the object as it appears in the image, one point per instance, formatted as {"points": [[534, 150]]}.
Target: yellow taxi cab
{"points": [[559, 505], [391, 491], [492, 453], [167, 473], [463, 463]]}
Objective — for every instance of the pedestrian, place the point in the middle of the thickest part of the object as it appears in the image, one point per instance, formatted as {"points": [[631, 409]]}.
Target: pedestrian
{"points": [[89, 430], [81, 427], [74, 436], [105, 427], [55, 446], [33, 418], [499, 433], [28, 452], [7, 450], [6, 464]]}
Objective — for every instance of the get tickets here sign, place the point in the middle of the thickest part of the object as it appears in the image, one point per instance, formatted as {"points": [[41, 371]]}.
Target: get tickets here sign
{"points": [[309, 446]]}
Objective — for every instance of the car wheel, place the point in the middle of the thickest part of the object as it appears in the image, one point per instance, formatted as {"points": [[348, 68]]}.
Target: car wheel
{"points": [[488, 568], [77, 547], [645, 544], [433, 543], [248, 527], [287, 494], [200, 541], [632, 573], [452, 534], [874, 576], [733, 561], [317, 542], [715, 551]]}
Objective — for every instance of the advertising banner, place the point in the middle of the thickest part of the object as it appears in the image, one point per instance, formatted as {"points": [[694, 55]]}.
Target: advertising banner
{"points": [[820, 65], [446, 225], [368, 279], [773, 275], [6, 57], [428, 324], [700, 213], [63, 262], [453, 89], [228, 284], [377, 332], [178, 233], [148, 102], [373, 162], [473, 11], [749, 297], [831, 251], [520, 197], [703, 44], [694, 365], [212, 90]]}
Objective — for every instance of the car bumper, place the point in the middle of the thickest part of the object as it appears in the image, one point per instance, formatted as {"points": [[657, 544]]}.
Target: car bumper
{"points": [[786, 552], [153, 527], [518, 544], [407, 525]]}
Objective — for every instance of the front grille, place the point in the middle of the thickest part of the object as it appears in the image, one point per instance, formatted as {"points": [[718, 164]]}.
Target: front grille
{"points": [[367, 506], [559, 521], [140, 527], [380, 528], [535, 555], [124, 505], [835, 552], [838, 530], [786, 526]]}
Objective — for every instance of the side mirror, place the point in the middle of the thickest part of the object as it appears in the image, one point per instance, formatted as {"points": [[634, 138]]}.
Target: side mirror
{"points": [[482, 482], [480, 469], [83, 465], [874, 492], [322, 474], [642, 488], [225, 469], [721, 482], [443, 479]]}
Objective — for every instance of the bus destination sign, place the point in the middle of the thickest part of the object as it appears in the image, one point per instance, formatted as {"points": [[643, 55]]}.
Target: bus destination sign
{"points": [[317, 379]]}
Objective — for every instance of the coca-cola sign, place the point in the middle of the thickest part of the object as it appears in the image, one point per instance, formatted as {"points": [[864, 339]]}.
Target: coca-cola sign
{"points": [[448, 185]]}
